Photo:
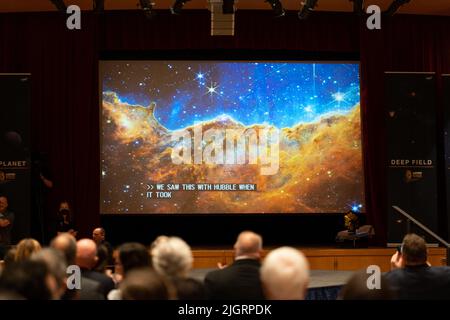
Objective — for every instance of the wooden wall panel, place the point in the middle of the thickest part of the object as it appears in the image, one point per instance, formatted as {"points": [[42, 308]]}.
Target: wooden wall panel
{"points": [[324, 258]]}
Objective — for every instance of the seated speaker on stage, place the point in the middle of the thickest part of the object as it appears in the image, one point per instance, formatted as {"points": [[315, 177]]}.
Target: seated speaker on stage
{"points": [[239, 281]]}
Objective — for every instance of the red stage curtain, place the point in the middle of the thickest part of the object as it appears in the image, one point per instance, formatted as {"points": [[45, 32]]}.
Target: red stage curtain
{"points": [[65, 91]]}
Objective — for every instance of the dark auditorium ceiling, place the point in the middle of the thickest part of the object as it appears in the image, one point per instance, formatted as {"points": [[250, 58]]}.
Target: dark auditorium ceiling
{"points": [[427, 7]]}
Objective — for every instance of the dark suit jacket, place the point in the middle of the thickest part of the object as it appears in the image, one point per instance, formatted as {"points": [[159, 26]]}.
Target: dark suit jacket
{"points": [[106, 283], [90, 290], [420, 282], [239, 281]]}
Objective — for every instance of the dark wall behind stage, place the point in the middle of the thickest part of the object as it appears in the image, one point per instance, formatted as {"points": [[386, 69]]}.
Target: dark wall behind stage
{"points": [[64, 67]]}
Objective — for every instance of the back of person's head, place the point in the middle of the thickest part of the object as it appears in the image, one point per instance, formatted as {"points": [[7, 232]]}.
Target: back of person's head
{"points": [[10, 257], [357, 288], [57, 267], [285, 274], [144, 284], [67, 244], [25, 248], [414, 250], [157, 241], [133, 255], [189, 289], [172, 257], [86, 254], [28, 279], [248, 244]]}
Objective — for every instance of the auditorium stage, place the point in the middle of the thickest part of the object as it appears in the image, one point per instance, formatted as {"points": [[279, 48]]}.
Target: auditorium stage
{"points": [[318, 279], [330, 267], [321, 258], [323, 284]]}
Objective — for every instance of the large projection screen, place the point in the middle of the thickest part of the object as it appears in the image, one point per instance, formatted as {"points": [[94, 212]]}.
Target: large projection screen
{"points": [[230, 137]]}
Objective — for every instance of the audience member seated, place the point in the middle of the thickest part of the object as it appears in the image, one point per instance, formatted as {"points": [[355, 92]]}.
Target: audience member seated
{"points": [[98, 235], [9, 258], [90, 289], [130, 256], [57, 267], [241, 280], [172, 258], [412, 277], [145, 284], [102, 260], [28, 279], [86, 259], [285, 274], [357, 289], [25, 248]]}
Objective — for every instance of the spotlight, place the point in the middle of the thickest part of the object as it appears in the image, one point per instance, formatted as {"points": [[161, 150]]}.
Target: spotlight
{"points": [[228, 6], [60, 5], [99, 5], [308, 7], [178, 6], [277, 8], [358, 6], [147, 7], [395, 5]]}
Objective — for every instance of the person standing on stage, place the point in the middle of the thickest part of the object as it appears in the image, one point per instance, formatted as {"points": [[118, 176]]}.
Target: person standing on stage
{"points": [[6, 224], [64, 221]]}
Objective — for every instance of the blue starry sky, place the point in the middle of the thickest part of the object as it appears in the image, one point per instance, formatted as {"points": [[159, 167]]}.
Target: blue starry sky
{"points": [[278, 93]]}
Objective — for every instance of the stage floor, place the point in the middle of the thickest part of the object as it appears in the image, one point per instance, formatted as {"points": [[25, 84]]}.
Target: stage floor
{"points": [[318, 278]]}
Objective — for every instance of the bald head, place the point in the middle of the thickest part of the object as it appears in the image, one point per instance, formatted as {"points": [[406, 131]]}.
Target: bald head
{"points": [[248, 244], [285, 274], [67, 244], [86, 253], [98, 235]]}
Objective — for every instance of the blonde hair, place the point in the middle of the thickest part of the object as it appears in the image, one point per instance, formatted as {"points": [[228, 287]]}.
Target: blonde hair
{"points": [[25, 248]]}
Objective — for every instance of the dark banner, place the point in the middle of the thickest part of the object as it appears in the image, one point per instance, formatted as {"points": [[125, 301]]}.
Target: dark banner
{"points": [[15, 150], [446, 100], [410, 103]]}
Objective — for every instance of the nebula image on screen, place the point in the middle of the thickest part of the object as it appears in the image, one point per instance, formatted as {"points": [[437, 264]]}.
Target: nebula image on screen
{"points": [[230, 137]]}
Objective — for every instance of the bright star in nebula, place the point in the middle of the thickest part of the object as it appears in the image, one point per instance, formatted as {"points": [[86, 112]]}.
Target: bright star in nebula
{"points": [[212, 89], [338, 96]]}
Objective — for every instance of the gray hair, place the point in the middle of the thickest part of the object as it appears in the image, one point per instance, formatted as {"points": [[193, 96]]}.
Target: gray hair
{"points": [[172, 257], [285, 274], [56, 264]]}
